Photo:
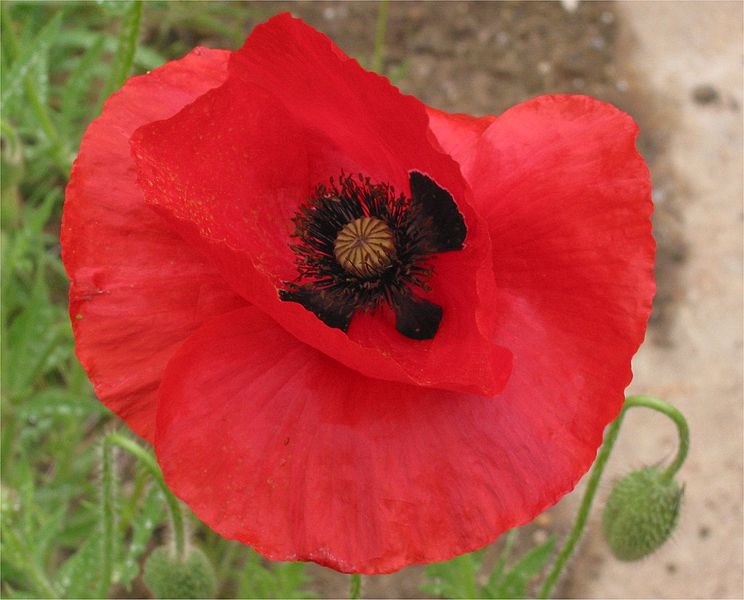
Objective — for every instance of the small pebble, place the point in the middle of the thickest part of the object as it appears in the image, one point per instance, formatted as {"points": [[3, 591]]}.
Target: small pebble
{"points": [[705, 94], [543, 520], [598, 43], [544, 67], [539, 536]]}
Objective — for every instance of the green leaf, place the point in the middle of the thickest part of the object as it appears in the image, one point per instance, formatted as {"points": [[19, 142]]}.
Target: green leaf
{"points": [[144, 57], [282, 580], [31, 339], [455, 578], [78, 576], [516, 580], [75, 94], [29, 60], [18, 552], [143, 527], [124, 57], [21, 251], [59, 403], [47, 533]]}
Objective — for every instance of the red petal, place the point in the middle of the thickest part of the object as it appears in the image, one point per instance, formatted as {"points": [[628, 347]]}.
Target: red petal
{"points": [[231, 170], [310, 461], [137, 289], [458, 134], [568, 201], [274, 444]]}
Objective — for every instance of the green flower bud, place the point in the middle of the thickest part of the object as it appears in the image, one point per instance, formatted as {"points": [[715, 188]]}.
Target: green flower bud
{"points": [[641, 513], [167, 577]]}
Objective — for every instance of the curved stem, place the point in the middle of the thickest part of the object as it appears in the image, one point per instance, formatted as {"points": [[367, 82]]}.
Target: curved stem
{"points": [[152, 466], [355, 588], [586, 503], [599, 465], [679, 420]]}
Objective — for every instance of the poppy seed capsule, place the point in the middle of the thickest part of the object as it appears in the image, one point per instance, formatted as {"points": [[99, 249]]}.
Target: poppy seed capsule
{"points": [[641, 513], [365, 247]]}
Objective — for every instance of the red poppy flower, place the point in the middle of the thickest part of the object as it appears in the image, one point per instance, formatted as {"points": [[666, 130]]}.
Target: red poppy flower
{"points": [[358, 331]]}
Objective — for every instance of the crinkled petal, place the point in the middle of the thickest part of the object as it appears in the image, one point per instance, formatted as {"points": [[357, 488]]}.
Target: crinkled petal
{"points": [[231, 170], [137, 289], [458, 134], [568, 201], [276, 445], [567, 198]]}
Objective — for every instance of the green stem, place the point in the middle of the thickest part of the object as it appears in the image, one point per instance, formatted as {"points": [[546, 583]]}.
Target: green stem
{"points": [[107, 521], [591, 489], [128, 512], [380, 31], [355, 587], [152, 466], [126, 47], [599, 465], [679, 420]]}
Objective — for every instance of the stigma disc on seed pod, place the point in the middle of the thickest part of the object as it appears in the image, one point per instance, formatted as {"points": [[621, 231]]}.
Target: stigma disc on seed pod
{"points": [[365, 247]]}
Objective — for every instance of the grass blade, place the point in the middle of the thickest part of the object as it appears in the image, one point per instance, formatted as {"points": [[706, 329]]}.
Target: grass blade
{"points": [[77, 86], [26, 62], [122, 65]]}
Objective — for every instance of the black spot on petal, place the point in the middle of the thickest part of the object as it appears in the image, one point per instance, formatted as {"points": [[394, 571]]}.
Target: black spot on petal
{"points": [[327, 308], [444, 223], [417, 319]]}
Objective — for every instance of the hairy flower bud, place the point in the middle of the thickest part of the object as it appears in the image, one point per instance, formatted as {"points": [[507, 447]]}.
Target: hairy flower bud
{"points": [[168, 577], [641, 513]]}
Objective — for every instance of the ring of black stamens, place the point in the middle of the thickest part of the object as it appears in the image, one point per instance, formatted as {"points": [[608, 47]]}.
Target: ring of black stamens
{"points": [[425, 224]]}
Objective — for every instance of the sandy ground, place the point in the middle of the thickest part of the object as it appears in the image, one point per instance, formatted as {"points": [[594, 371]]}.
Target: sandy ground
{"points": [[690, 57]]}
